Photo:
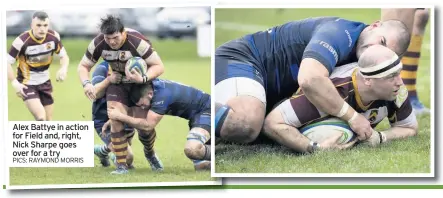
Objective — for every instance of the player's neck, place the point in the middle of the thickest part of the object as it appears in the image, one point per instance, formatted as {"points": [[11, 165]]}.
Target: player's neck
{"points": [[35, 36]]}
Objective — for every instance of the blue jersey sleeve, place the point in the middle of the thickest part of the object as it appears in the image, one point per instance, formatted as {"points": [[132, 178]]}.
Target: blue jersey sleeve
{"points": [[100, 73], [333, 42]]}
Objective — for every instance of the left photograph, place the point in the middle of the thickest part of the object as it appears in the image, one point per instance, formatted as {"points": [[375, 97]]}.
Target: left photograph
{"points": [[140, 75]]}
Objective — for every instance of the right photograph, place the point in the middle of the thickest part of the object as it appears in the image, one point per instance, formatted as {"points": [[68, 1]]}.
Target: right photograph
{"points": [[319, 91]]}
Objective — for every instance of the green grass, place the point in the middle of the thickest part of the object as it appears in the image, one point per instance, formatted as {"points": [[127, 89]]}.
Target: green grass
{"points": [[182, 64], [407, 156]]}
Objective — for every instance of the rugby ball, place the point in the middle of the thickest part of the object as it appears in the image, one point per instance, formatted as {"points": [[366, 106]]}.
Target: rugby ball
{"points": [[322, 130], [136, 64]]}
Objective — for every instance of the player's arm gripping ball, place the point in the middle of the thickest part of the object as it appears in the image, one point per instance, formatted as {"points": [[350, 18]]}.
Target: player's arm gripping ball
{"points": [[136, 69]]}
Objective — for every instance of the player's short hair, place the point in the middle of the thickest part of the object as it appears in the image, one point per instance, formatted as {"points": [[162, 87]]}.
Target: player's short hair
{"points": [[40, 15], [404, 37], [138, 91], [111, 24], [375, 55]]}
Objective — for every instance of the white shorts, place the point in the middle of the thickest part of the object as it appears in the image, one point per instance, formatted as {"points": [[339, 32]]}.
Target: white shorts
{"points": [[239, 86]]}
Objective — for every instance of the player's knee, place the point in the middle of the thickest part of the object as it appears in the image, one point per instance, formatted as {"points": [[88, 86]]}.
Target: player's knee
{"points": [[194, 150], [243, 127], [116, 126], [39, 119], [421, 18]]}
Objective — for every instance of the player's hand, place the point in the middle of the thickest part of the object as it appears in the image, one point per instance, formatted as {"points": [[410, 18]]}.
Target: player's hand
{"points": [[89, 91], [361, 126], [134, 76], [333, 143], [105, 128], [376, 139], [115, 78], [61, 74], [113, 114], [19, 87]]}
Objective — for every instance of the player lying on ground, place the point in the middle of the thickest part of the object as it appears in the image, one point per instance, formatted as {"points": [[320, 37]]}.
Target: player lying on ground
{"points": [[101, 79], [416, 21], [374, 88], [116, 44], [163, 97], [256, 71], [34, 50]]}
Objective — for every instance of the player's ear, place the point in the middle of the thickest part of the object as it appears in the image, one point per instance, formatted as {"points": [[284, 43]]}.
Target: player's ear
{"points": [[367, 81], [376, 24]]}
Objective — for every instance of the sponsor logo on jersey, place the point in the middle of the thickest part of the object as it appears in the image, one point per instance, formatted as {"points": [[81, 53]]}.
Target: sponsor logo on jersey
{"points": [[330, 49]]}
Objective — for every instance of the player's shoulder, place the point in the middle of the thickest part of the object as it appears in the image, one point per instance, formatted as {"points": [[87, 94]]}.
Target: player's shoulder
{"points": [[344, 71], [21, 39], [54, 34], [24, 36], [134, 34], [338, 25], [402, 97], [158, 84], [98, 40]]}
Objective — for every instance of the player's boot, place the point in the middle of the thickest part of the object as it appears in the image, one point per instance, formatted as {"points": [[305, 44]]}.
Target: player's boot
{"points": [[114, 160], [156, 164], [418, 107], [202, 165], [131, 167], [120, 170], [104, 159]]}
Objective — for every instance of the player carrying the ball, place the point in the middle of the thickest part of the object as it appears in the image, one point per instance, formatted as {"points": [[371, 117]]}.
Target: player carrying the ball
{"points": [[116, 44], [373, 87]]}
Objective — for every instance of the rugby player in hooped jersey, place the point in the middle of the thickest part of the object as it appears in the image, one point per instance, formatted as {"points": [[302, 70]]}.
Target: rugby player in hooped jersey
{"points": [[116, 44], [255, 72], [373, 88], [34, 50]]}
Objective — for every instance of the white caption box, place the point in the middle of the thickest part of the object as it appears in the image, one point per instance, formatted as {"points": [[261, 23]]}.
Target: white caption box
{"points": [[50, 144]]}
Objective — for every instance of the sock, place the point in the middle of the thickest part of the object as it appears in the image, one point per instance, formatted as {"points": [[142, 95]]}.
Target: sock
{"points": [[410, 65], [104, 150], [120, 146], [221, 112], [148, 143]]}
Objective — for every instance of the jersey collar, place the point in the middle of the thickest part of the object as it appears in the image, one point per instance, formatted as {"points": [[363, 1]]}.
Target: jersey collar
{"points": [[35, 39]]}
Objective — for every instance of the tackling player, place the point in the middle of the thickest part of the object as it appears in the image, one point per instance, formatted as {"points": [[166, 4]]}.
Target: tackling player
{"points": [[34, 50], [374, 88], [164, 97], [255, 72], [101, 79], [416, 20], [116, 44]]}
